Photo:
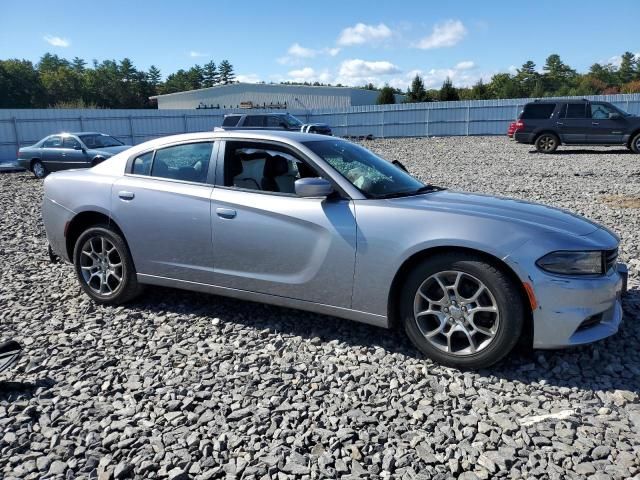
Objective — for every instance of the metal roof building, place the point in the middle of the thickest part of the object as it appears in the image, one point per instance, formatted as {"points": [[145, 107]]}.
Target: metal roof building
{"points": [[263, 95]]}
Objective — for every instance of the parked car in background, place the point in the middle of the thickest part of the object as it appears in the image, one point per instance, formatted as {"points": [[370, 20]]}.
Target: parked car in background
{"points": [[322, 224], [68, 150], [547, 124], [511, 130], [272, 121]]}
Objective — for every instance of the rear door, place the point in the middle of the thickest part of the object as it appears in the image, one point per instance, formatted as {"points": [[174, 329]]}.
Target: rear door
{"points": [[268, 240], [162, 204], [574, 123], [605, 130], [52, 153]]}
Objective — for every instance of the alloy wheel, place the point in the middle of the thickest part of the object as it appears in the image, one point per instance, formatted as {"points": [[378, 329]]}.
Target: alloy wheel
{"points": [[547, 143], [456, 312], [101, 265], [38, 170]]}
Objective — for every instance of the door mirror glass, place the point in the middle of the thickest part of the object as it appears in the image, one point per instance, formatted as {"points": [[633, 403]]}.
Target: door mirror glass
{"points": [[313, 187]]}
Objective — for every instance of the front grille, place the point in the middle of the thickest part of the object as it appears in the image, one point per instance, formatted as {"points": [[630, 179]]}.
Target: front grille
{"points": [[610, 259]]}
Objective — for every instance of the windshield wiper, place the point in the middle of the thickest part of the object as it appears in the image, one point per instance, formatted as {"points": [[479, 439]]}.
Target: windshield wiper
{"points": [[423, 189]]}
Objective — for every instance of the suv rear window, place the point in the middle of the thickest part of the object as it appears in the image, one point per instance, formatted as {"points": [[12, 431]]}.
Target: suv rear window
{"points": [[538, 110], [230, 121], [574, 110]]}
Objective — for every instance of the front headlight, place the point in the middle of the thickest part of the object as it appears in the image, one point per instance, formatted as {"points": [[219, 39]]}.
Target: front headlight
{"points": [[572, 263]]}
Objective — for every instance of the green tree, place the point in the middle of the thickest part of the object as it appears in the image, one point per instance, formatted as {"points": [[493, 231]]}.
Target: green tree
{"points": [[226, 72], [604, 73], [20, 85], [527, 77], [78, 64], [627, 70], [417, 92], [386, 96], [210, 75], [448, 92], [154, 77], [557, 74], [480, 91]]}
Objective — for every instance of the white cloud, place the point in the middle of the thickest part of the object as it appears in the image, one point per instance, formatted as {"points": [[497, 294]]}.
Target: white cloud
{"points": [[307, 74], [363, 33], [195, 54], [445, 34], [303, 74], [248, 78], [296, 53], [57, 41], [361, 68], [466, 65]]}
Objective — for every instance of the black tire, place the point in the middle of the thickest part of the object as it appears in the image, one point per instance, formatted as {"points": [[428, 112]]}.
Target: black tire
{"points": [[635, 144], [38, 169], [547, 143], [128, 286], [509, 304]]}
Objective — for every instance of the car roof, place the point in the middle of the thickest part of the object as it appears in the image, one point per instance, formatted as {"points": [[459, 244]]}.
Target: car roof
{"points": [[558, 100], [77, 133], [266, 114]]}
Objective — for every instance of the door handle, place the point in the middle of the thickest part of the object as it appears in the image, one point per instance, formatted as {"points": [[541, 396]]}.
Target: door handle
{"points": [[559, 123], [595, 123], [226, 213], [124, 195]]}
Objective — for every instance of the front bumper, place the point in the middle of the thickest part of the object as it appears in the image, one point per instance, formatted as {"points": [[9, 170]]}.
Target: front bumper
{"points": [[575, 311]]}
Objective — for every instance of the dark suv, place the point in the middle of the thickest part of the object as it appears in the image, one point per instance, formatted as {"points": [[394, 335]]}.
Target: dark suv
{"points": [[272, 121], [549, 123]]}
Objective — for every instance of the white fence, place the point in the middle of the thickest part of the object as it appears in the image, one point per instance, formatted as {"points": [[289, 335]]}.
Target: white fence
{"points": [[481, 117]]}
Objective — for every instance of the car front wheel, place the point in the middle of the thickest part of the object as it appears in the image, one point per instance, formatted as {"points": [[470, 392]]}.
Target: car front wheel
{"points": [[461, 311], [547, 143], [635, 144], [104, 266]]}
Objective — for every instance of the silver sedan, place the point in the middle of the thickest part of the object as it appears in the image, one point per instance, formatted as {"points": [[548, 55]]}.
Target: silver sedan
{"points": [[324, 225]]}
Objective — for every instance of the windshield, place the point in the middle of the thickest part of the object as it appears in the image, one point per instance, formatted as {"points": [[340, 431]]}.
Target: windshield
{"points": [[372, 175], [99, 140], [292, 121]]}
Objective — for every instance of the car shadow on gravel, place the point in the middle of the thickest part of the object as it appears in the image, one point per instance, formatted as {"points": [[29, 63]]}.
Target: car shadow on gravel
{"points": [[16, 390], [584, 151], [600, 366]]}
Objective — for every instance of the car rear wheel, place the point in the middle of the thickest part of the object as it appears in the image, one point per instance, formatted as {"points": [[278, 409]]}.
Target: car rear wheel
{"points": [[635, 144], [547, 143], [38, 169], [461, 311], [104, 266]]}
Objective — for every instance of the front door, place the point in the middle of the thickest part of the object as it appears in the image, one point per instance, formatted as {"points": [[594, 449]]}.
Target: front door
{"points": [[605, 130], [72, 155], [163, 207], [268, 240], [52, 153], [573, 123]]}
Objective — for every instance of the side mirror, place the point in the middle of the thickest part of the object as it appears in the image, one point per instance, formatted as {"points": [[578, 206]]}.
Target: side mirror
{"points": [[78, 147], [313, 187], [614, 116]]}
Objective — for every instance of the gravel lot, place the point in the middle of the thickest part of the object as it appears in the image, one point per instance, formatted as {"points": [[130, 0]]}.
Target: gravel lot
{"points": [[182, 385]]}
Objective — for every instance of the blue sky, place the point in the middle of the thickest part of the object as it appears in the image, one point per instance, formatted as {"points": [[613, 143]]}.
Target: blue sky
{"points": [[351, 42]]}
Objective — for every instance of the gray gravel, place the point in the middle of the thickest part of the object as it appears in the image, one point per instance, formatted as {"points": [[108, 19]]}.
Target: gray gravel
{"points": [[181, 385]]}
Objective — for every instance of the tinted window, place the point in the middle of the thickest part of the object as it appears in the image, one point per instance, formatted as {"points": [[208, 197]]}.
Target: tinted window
{"points": [[372, 175], [230, 121], [538, 110], [601, 111], [100, 140], [189, 162], [142, 164], [254, 121], [70, 142], [263, 167], [575, 110], [276, 121], [53, 142]]}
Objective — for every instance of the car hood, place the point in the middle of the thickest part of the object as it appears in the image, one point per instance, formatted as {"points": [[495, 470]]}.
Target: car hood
{"points": [[110, 150], [508, 209]]}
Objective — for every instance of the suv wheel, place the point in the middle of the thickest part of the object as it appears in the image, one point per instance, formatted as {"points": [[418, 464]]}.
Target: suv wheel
{"points": [[104, 266], [635, 144], [547, 143], [461, 311]]}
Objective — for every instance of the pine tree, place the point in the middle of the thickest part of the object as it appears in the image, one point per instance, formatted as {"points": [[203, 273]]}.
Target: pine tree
{"points": [[627, 70], [210, 75], [448, 92], [226, 72], [480, 91], [417, 92], [78, 64], [153, 76]]}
